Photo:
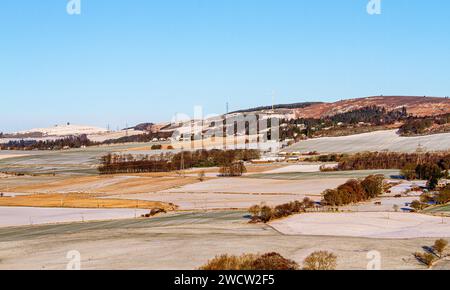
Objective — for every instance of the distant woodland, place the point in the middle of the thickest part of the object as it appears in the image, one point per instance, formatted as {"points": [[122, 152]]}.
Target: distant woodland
{"points": [[361, 120], [59, 144], [424, 166], [277, 107], [366, 120], [391, 160], [143, 138], [228, 160], [424, 126]]}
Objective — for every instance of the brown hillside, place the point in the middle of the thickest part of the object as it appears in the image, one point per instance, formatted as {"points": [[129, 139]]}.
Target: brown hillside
{"points": [[417, 106]]}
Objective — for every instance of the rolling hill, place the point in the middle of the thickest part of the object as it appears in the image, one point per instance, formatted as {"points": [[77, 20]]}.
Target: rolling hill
{"points": [[417, 106]]}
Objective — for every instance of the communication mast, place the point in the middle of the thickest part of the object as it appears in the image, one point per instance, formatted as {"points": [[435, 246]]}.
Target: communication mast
{"points": [[273, 101]]}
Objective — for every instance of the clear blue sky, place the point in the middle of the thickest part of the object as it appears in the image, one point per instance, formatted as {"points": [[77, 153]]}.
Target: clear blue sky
{"points": [[144, 60]]}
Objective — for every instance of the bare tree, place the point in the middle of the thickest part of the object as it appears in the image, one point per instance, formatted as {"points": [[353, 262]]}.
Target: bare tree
{"points": [[440, 247], [255, 210], [427, 259], [433, 254], [320, 260]]}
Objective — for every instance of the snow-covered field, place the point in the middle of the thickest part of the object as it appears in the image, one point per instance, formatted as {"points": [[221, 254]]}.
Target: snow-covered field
{"points": [[406, 186], [241, 193], [300, 168], [208, 201], [366, 224], [94, 134], [374, 141], [185, 241], [387, 205], [261, 186], [21, 216], [101, 137], [65, 130]]}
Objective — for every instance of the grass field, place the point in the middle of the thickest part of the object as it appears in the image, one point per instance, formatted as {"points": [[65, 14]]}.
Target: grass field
{"points": [[327, 175], [445, 209]]}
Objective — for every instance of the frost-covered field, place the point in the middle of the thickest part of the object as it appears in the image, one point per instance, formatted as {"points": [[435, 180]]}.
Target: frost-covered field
{"points": [[185, 241], [65, 130], [299, 168], [81, 161], [260, 186], [374, 141], [22, 216], [208, 201], [325, 175], [240, 193], [101, 137], [366, 224]]}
